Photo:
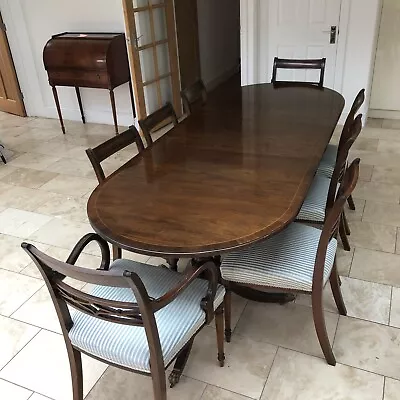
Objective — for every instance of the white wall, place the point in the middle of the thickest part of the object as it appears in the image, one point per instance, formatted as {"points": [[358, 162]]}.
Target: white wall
{"points": [[219, 23], [385, 98], [30, 23], [359, 25]]}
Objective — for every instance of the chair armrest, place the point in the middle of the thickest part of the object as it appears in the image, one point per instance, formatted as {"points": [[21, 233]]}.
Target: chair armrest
{"points": [[207, 303], [90, 237]]}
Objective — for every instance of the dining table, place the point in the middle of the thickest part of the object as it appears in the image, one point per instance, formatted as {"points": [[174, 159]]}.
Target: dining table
{"points": [[236, 171]]}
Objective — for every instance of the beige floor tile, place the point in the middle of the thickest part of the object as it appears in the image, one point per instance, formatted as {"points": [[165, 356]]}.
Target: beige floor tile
{"points": [[357, 214], [70, 185], [376, 266], [12, 257], [301, 377], [43, 367], [15, 289], [328, 301], [392, 389], [215, 393], [376, 159], [375, 122], [124, 385], [72, 167], [391, 124], [398, 241], [37, 396], [367, 144], [382, 213], [10, 391], [24, 198], [246, 367], [389, 146], [366, 300], [39, 311], [373, 236], [380, 133], [62, 206], [61, 233], [395, 308], [14, 335], [378, 192], [6, 169], [369, 346], [289, 326], [21, 223], [29, 178], [365, 172], [343, 261], [34, 161], [389, 175]]}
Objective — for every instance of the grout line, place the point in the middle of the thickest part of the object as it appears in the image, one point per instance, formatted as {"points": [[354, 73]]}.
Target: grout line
{"points": [[390, 307], [384, 388], [269, 372], [395, 243]]}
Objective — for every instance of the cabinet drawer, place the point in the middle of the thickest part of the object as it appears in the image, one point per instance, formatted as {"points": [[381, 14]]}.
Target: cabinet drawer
{"points": [[94, 79]]}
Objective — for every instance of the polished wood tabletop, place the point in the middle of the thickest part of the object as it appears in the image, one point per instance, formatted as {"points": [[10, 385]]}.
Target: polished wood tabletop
{"points": [[234, 172]]}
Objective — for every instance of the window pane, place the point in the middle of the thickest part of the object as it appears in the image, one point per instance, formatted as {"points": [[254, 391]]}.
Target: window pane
{"points": [[160, 24], [163, 58], [143, 27], [147, 64]]}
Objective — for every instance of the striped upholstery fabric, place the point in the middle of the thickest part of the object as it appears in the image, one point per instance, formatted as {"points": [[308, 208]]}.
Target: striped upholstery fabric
{"points": [[313, 208], [328, 162], [285, 261], [127, 345]]}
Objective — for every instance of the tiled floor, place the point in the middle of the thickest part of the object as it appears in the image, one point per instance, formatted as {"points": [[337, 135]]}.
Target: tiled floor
{"points": [[274, 354]]}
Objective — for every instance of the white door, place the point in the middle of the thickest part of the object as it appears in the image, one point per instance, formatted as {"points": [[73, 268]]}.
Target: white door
{"points": [[304, 29]]}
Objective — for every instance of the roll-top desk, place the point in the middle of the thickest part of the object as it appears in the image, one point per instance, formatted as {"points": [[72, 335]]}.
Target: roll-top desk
{"points": [[91, 60]]}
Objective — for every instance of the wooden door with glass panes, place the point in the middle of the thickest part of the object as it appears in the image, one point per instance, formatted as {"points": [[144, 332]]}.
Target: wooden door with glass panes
{"points": [[151, 36]]}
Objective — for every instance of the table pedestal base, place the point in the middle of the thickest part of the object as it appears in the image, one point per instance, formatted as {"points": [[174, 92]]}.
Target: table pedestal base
{"points": [[263, 297]]}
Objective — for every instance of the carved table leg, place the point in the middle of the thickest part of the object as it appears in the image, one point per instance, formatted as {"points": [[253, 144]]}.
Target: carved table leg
{"points": [[180, 363], [114, 111], [173, 263], [78, 95], [55, 94]]}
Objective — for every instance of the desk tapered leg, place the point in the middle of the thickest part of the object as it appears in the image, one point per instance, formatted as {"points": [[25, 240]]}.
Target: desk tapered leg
{"points": [[114, 111], [78, 95], [55, 94]]}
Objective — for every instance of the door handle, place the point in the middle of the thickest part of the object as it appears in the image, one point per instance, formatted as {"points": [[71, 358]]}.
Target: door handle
{"points": [[333, 33]]}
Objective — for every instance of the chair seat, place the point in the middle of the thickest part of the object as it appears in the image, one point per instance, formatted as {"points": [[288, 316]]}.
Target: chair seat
{"points": [[328, 161], [285, 261], [313, 208], [127, 345]]}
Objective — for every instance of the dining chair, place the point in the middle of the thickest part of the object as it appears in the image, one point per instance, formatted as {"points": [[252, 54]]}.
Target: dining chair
{"points": [[299, 259], [3, 158], [154, 120], [194, 94], [106, 149], [135, 316], [322, 193], [328, 161], [285, 63]]}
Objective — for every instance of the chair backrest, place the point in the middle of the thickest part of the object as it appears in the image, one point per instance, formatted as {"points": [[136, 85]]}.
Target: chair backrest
{"points": [[110, 147], [195, 93], [358, 102], [341, 161], [154, 120], [284, 63], [331, 225]]}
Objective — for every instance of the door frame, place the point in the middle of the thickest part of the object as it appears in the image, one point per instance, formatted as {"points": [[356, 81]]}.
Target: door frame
{"points": [[254, 51]]}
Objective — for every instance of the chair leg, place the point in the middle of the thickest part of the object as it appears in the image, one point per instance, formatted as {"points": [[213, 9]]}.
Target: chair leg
{"points": [[227, 312], [180, 364], [350, 201], [173, 263], [159, 386], [320, 327], [75, 364], [334, 280], [117, 252], [346, 224], [343, 236], [219, 323]]}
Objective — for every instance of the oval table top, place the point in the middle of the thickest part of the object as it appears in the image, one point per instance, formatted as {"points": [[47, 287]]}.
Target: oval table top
{"points": [[234, 172]]}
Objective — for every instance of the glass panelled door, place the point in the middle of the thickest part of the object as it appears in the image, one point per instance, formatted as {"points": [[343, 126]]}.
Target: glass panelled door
{"points": [[151, 33]]}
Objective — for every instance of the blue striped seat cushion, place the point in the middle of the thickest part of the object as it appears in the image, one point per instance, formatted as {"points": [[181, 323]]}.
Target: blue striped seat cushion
{"points": [[313, 208], [328, 161], [285, 261], [127, 345]]}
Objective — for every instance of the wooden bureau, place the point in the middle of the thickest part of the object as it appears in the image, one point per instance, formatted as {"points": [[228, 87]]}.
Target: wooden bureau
{"points": [[92, 60]]}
